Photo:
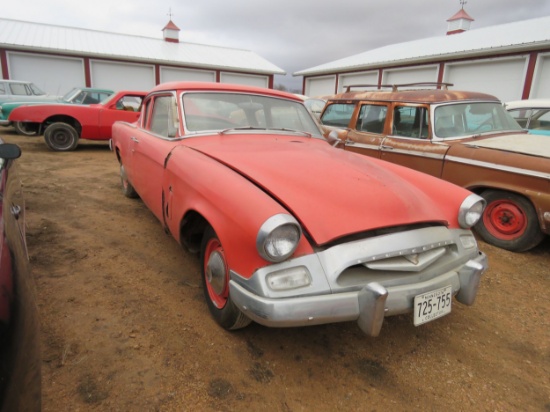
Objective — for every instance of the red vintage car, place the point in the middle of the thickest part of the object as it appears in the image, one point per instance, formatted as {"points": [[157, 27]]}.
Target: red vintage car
{"points": [[63, 125], [20, 362], [290, 230]]}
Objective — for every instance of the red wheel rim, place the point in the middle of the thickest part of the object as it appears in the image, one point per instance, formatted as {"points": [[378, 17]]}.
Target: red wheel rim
{"points": [[505, 220], [215, 273]]}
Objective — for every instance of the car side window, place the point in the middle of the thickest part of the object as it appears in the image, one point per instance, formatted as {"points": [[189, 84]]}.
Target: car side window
{"points": [[164, 116], [19, 89], [338, 114], [371, 118], [2, 88], [410, 121]]}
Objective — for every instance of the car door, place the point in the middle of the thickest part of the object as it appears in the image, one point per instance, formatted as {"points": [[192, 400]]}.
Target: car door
{"points": [[125, 109], [409, 144], [369, 130], [151, 146]]}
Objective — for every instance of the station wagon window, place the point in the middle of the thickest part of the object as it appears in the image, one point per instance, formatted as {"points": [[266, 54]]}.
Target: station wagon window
{"points": [[164, 116], [338, 114], [372, 118], [410, 121]]}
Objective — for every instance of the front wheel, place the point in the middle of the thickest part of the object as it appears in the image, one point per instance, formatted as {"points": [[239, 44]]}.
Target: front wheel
{"points": [[61, 137], [127, 188], [509, 221], [25, 128], [215, 279]]}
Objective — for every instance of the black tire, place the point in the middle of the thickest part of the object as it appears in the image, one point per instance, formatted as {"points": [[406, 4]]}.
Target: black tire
{"points": [[509, 221], [25, 128], [216, 286], [61, 137], [127, 188]]}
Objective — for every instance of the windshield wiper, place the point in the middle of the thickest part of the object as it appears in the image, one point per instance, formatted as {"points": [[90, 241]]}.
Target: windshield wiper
{"points": [[224, 131], [293, 131]]}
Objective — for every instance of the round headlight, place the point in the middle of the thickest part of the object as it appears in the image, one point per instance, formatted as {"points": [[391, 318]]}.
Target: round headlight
{"points": [[470, 211], [278, 238]]}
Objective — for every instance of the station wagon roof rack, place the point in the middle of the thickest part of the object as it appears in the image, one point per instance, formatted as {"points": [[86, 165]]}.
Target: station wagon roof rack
{"points": [[395, 87]]}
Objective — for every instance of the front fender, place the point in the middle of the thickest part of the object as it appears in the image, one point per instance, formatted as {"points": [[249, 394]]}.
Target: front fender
{"points": [[234, 207]]}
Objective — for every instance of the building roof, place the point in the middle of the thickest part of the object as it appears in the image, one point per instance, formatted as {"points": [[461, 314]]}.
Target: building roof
{"points": [[461, 14], [518, 36], [29, 36]]}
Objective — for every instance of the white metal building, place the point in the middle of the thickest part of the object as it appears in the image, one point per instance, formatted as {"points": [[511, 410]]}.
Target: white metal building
{"points": [[57, 58], [510, 61]]}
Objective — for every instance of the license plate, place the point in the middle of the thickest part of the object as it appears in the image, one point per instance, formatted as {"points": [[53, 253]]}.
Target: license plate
{"points": [[432, 305]]}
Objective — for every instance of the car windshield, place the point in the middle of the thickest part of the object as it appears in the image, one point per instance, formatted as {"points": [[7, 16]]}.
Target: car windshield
{"points": [[70, 95], [222, 111], [36, 90], [467, 119]]}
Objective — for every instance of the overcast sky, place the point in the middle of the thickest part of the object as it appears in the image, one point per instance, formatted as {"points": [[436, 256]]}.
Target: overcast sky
{"points": [[292, 34]]}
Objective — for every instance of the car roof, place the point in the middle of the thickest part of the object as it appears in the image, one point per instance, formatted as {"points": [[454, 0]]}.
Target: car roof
{"points": [[15, 81], [393, 93], [528, 103], [229, 87]]}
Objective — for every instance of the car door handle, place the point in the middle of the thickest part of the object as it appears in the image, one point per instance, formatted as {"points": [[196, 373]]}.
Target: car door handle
{"points": [[134, 139], [384, 147], [15, 211]]}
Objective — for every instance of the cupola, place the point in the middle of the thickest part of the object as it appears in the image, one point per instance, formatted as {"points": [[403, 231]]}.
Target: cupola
{"points": [[460, 22], [171, 32]]}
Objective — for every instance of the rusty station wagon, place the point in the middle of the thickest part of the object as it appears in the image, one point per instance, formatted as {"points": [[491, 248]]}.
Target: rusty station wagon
{"points": [[466, 138]]}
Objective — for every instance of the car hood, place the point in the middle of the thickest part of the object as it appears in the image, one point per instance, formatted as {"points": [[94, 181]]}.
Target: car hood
{"points": [[529, 144], [333, 193]]}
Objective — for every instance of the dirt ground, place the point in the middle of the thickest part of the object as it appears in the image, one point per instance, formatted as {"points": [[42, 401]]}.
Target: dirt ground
{"points": [[125, 326]]}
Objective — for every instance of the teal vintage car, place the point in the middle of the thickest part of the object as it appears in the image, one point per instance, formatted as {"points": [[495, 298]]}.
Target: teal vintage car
{"points": [[80, 95]]}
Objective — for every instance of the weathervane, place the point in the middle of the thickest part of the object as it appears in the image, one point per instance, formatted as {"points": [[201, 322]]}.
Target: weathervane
{"points": [[170, 12], [463, 2]]}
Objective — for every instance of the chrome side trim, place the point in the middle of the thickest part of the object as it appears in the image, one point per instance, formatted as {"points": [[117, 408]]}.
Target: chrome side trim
{"points": [[417, 153], [495, 166], [351, 143]]}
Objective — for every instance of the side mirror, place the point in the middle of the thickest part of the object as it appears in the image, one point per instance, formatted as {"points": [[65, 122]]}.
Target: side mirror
{"points": [[9, 151], [333, 139]]}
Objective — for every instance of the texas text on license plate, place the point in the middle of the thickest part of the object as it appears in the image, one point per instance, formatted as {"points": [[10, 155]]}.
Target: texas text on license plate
{"points": [[432, 305]]}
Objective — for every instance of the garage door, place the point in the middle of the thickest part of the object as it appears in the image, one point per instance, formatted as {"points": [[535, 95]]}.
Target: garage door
{"points": [[54, 75], [357, 78], [541, 82], [170, 74], [320, 86], [122, 76], [247, 79], [503, 78], [410, 75]]}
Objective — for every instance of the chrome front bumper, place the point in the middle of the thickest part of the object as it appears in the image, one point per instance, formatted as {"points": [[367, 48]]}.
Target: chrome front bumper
{"points": [[367, 306]]}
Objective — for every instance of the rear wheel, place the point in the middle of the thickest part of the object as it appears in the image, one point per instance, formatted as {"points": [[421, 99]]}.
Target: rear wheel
{"points": [[61, 137], [215, 278], [25, 128], [509, 222]]}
